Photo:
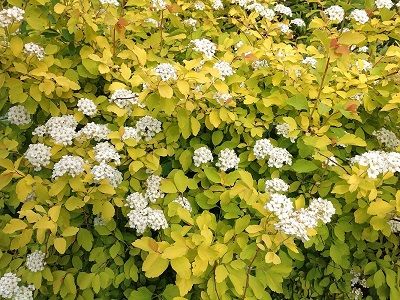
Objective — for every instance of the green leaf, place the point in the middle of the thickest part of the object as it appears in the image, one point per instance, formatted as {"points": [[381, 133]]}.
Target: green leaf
{"points": [[351, 38], [180, 180], [304, 166], [167, 186], [212, 174], [299, 102]]}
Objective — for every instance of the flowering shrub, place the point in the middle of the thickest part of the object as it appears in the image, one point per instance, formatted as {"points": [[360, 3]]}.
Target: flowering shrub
{"points": [[211, 149]]}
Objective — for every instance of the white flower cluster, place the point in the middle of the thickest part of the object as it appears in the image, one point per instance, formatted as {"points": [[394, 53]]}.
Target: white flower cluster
{"points": [[152, 22], [217, 4], [87, 107], [263, 11], [357, 284], [105, 152], [276, 185], [111, 2], [190, 22], [202, 155], [387, 138], [60, 129], [153, 190], [284, 28], [224, 69], [38, 155], [227, 159], [11, 15], [68, 164], [199, 5], [9, 288], [283, 130], [130, 133], [24, 293], [141, 216], [8, 285], [298, 22], [394, 225], [277, 157], [378, 162], [158, 5], [124, 98], [166, 72], [204, 46], [222, 98], [141, 219], [98, 221], [359, 15], [363, 49], [384, 4], [259, 64], [297, 222], [104, 171], [282, 9], [310, 61], [35, 261], [363, 65], [34, 49], [184, 202], [147, 127], [94, 131], [136, 201], [18, 115], [335, 13], [331, 161]]}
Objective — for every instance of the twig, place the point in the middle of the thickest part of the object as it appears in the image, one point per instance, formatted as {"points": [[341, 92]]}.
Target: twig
{"points": [[321, 86], [248, 273]]}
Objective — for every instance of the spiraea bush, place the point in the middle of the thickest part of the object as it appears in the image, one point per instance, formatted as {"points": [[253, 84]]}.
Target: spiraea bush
{"points": [[233, 149]]}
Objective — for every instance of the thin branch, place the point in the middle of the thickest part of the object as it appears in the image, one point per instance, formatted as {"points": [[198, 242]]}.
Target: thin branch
{"points": [[321, 86], [248, 273]]}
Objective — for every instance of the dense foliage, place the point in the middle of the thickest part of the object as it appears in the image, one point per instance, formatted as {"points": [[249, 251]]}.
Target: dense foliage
{"points": [[182, 149]]}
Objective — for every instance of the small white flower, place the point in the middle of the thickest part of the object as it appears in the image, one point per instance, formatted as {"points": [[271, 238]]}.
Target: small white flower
{"points": [[298, 22], [68, 164], [152, 22], [222, 98], [282, 9], [153, 190], [384, 4], [363, 65], [104, 171], [38, 155], [335, 13], [394, 225], [227, 159], [124, 98], [136, 201], [190, 22], [276, 185], [217, 4], [35, 261], [18, 115], [98, 221], [259, 64], [110, 2], [359, 15], [184, 202], [224, 69], [387, 138], [158, 5], [363, 49], [204, 46], [284, 28], [131, 133], [11, 15], [199, 5], [280, 205], [378, 162], [201, 156], [166, 72], [105, 152], [87, 107], [310, 61], [94, 131], [147, 127], [35, 50], [8, 285]]}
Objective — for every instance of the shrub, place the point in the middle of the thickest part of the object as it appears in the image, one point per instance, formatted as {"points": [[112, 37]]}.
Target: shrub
{"points": [[190, 150]]}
